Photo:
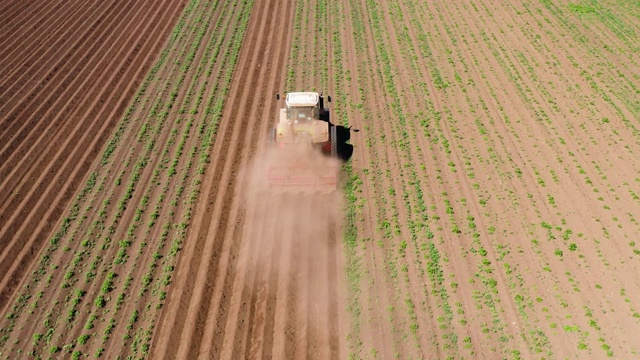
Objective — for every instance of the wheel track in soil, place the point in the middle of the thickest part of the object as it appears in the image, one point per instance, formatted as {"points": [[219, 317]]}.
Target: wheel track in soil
{"points": [[318, 294], [58, 188], [335, 314], [205, 316]]}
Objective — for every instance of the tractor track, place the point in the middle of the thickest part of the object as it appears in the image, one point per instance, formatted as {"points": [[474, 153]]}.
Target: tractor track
{"points": [[79, 91]]}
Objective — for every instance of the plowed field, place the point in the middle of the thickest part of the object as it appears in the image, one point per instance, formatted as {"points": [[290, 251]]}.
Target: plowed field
{"points": [[488, 201], [68, 71]]}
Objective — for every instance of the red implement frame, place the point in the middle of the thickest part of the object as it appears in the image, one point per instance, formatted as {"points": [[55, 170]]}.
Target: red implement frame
{"points": [[298, 178]]}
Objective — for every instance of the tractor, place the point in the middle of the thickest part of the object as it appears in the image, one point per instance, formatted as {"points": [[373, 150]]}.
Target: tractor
{"points": [[302, 135]]}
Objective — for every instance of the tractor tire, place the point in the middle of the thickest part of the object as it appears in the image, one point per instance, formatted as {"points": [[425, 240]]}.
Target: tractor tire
{"points": [[334, 141]]}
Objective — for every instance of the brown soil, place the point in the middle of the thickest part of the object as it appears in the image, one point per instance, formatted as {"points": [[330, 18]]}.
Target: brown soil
{"points": [[495, 201], [506, 169], [69, 69]]}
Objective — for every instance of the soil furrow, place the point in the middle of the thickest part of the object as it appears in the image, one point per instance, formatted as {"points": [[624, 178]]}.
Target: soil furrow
{"points": [[78, 141], [262, 347], [37, 113], [10, 12], [230, 276], [37, 84], [211, 184], [381, 293], [259, 295], [234, 331], [245, 132], [135, 70], [53, 24], [6, 5], [169, 316], [69, 105], [11, 211], [127, 82]]}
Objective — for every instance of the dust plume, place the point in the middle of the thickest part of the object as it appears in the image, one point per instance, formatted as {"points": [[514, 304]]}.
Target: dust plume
{"points": [[310, 212], [294, 239]]}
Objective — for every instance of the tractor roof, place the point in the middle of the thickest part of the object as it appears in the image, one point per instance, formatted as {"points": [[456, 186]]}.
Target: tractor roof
{"points": [[302, 99]]}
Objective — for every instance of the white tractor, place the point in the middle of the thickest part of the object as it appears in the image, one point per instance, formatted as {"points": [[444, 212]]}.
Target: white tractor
{"points": [[302, 124]]}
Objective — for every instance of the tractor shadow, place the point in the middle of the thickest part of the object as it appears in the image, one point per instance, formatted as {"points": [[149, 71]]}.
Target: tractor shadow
{"points": [[345, 150]]}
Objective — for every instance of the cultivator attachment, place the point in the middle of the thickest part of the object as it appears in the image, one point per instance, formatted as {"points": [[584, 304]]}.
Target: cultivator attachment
{"points": [[302, 178]]}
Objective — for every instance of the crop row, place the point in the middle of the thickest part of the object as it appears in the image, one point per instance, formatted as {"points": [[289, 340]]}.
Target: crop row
{"points": [[467, 150], [116, 250]]}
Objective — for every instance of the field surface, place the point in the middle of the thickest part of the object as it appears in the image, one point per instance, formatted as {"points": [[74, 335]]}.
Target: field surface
{"points": [[488, 205], [69, 70]]}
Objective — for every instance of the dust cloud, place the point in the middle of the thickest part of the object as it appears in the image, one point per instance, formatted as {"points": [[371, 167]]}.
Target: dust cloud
{"points": [[295, 238], [308, 212]]}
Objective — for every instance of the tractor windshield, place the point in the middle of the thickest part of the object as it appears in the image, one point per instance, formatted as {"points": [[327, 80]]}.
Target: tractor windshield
{"points": [[302, 113]]}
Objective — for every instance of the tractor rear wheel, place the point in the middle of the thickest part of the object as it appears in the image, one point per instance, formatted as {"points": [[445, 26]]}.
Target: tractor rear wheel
{"points": [[334, 141]]}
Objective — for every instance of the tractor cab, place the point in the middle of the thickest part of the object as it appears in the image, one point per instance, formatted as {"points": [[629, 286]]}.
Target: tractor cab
{"points": [[302, 129], [302, 106], [300, 120], [302, 113]]}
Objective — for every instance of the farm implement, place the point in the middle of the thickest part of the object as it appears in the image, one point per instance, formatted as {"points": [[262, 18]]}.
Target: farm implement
{"points": [[305, 146]]}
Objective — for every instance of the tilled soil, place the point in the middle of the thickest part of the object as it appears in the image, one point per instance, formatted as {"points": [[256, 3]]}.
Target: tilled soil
{"points": [[494, 181], [69, 70]]}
